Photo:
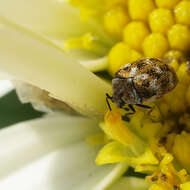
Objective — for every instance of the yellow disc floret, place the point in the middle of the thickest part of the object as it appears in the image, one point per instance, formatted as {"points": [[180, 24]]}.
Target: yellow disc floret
{"points": [[146, 158], [120, 55], [139, 10], [166, 3], [163, 108], [155, 187], [156, 141], [161, 20], [112, 3], [112, 152], [173, 98], [188, 95], [174, 54], [181, 149], [182, 12], [179, 37], [174, 63], [115, 20], [155, 45], [185, 186], [115, 128], [134, 34], [183, 175], [183, 73]]}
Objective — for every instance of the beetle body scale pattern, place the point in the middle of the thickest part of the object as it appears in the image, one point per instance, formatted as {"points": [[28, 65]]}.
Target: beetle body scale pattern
{"points": [[143, 81]]}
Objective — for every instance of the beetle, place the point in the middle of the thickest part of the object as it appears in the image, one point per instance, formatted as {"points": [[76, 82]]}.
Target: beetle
{"points": [[142, 81]]}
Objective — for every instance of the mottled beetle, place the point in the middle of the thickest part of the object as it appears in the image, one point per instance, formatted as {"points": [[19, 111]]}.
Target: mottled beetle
{"points": [[142, 81]]}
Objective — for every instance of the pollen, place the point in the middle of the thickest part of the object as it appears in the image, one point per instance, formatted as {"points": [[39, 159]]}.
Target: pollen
{"points": [[183, 73], [168, 158], [188, 95], [156, 141], [115, 20], [156, 187], [119, 55], [174, 63], [112, 152], [148, 124], [166, 3], [116, 129], [181, 149], [174, 54], [173, 98], [183, 175], [164, 109], [185, 186], [109, 4], [139, 10], [179, 37], [184, 120], [161, 20], [147, 158], [134, 34], [155, 45], [182, 12]]}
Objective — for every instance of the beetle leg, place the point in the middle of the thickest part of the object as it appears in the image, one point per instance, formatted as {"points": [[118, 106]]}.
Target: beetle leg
{"points": [[129, 108], [129, 113], [126, 109], [108, 97], [143, 106], [125, 117], [132, 109]]}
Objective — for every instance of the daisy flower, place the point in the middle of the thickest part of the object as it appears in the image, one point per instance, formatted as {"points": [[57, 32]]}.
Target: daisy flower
{"points": [[61, 56]]}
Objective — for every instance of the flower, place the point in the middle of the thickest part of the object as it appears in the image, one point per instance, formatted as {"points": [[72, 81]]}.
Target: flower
{"points": [[51, 153], [33, 161], [56, 57]]}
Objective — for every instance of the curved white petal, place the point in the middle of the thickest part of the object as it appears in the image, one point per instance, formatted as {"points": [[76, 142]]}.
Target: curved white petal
{"points": [[32, 59], [41, 15], [51, 17], [51, 154], [58, 20], [5, 87]]}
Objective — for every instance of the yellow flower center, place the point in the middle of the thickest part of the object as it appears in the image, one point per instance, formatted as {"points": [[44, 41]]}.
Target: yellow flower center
{"points": [[156, 143]]}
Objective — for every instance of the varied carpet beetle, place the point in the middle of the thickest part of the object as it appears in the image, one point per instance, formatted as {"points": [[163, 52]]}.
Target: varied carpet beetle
{"points": [[142, 81]]}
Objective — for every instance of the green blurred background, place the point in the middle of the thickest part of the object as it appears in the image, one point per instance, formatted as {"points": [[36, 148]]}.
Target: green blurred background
{"points": [[13, 111]]}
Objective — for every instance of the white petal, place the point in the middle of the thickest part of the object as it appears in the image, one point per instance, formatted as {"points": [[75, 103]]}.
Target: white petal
{"points": [[57, 20], [49, 16], [5, 87], [37, 137], [34, 60], [51, 154], [42, 15]]}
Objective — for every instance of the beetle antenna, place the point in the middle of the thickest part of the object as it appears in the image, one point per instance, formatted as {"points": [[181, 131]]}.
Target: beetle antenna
{"points": [[108, 97]]}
